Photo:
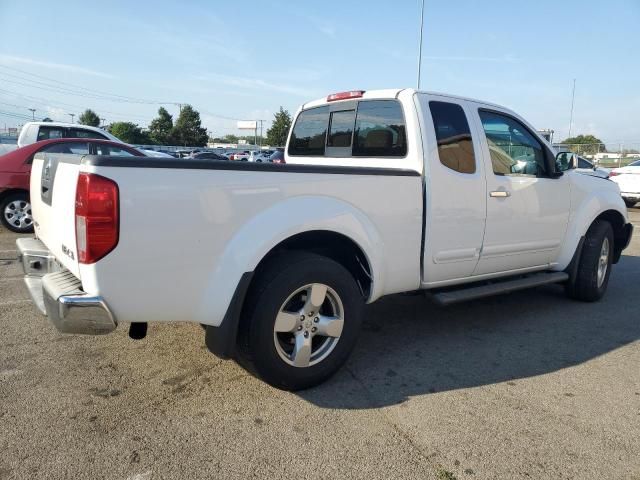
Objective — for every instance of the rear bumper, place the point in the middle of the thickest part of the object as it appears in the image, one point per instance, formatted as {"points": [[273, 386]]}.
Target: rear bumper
{"points": [[632, 195], [58, 294]]}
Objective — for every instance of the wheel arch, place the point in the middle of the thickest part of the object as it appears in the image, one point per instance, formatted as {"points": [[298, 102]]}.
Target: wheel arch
{"points": [[11, 190], [620, 234], [331, 244]]}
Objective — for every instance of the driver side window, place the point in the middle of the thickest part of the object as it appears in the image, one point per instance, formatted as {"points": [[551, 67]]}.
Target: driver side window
{"points": [[514, 151]]}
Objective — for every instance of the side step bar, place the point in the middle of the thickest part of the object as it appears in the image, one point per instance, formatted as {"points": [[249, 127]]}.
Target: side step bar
{"points": [[505, 286]]}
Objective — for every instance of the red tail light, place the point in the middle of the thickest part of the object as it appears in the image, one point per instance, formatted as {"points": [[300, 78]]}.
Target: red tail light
{"points": [[613, 174], [97, 217], [345, 95]]}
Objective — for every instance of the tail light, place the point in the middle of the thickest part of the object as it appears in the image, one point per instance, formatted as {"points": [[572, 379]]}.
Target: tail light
{"points": [[97, 217], [613, 174]]}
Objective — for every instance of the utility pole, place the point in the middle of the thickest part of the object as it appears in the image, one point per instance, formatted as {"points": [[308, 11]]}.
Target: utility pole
{"points": [[71, 115], [573, 96], [102, 120], [33, 113], [420, 45], [261, 122]]}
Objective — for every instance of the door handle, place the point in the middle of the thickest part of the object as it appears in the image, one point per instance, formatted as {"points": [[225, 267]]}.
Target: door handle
{"points": [[499, 194]]}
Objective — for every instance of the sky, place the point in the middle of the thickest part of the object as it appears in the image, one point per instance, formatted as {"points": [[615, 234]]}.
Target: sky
{"points": [[245, 59]]}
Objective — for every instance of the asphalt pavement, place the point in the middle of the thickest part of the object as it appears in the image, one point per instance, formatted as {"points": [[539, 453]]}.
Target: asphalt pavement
{"points": [[527, 385]]}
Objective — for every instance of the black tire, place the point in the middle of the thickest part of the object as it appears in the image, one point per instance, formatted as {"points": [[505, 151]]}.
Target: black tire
{"points": [[629, 203], [23, 199], [585, 285], [281, 277]]}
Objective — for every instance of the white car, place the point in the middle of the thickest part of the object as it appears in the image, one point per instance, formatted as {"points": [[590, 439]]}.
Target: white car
{"points": [[260, 155], [628, 179], [382, 192], [33, 132]]}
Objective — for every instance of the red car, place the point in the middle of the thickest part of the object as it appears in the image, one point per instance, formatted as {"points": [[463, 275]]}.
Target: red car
{"points": [[15, 170]]}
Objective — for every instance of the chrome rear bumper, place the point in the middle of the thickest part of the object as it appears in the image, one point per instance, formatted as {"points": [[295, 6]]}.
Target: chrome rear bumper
{"points": [[58, 293]]}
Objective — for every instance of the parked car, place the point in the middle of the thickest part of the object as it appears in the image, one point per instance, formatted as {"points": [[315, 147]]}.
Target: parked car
{"points": [[15, 170], [277, 156], [260, 155], [33, 132], [242, 156], [585, 166], [383, 192], [209, 156], [628, 179]]}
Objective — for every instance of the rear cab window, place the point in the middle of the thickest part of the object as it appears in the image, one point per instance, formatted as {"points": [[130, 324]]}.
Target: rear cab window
{"points": [[46, 133], [77, 148], [366, 128], [82, 133], [112, 150]]}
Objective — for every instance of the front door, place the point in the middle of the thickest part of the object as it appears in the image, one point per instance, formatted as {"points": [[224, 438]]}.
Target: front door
{"points": [[527, 208]]}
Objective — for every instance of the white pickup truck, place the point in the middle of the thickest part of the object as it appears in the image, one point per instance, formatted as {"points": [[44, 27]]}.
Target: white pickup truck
{"points": [[382, 192]]}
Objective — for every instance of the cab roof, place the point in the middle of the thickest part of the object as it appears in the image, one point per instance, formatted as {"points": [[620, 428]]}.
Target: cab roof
{"points": [[391, 93]]}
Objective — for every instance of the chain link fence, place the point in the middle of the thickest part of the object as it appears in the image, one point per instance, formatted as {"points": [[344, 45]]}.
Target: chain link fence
{"points": [[609, 155]]}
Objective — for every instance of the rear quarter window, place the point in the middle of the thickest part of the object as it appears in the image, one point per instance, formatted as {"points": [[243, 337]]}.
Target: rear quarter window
{"points": [[455, 146]]}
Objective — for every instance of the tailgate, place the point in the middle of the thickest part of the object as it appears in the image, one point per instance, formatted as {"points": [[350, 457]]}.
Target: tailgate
{"points": [[53, 191]]}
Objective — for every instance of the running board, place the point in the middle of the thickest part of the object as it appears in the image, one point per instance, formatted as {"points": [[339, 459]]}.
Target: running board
{"points": [[505, 286]]}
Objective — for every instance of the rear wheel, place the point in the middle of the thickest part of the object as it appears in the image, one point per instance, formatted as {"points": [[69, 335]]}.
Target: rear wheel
{"points": [[16, 212], [301, 321], [630, 203], [592, 275]]}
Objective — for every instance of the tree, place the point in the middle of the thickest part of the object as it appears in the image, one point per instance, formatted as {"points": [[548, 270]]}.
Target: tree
{"points": [[188, 130], [279, 131], [585, 144], [230, 138], [47, 119], [129, 133], [160, 128], [89, 117]]}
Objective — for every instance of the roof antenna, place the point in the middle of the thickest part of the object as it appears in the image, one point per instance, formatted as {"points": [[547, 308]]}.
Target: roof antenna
{"points": [[420, 45]]}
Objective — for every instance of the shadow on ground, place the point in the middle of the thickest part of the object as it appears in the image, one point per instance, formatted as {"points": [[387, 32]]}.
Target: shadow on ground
{"points": [[409, 346]]}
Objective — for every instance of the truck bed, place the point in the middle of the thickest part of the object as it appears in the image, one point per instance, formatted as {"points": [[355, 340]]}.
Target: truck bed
{"points": [[189, 229]]}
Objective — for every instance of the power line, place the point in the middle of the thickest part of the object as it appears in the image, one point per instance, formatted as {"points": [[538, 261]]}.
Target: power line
{"points": [[45, 103], [88, 90]]}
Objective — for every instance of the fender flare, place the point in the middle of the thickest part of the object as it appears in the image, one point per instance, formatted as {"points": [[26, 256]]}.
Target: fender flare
{"points": [[259, 235]]}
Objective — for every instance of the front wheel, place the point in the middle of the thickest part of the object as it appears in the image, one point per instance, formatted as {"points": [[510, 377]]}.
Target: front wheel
{"points": [[594, 267], [16, 212], [301, 320]]}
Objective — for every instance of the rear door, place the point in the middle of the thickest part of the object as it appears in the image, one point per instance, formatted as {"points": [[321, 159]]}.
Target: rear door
{"points": [[455, 195], [527, 208]]}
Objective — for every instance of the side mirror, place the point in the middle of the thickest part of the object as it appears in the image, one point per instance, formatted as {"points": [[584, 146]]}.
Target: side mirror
{"points": [[566, 161]]}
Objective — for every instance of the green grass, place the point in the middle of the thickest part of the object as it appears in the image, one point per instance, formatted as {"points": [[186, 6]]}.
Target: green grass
{"points": [[445, 474]]}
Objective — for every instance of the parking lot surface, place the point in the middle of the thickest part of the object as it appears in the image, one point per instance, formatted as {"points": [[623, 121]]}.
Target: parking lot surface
{"points": [[528, 385]]}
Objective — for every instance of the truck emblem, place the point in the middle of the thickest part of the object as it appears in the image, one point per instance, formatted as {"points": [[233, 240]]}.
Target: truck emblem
{"points": [[68, 252]]}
